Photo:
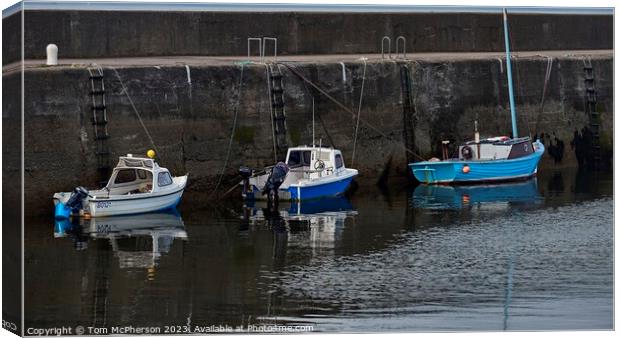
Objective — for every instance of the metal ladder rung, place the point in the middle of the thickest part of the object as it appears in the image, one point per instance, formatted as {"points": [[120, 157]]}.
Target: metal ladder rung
{"points": [[99, 122]]}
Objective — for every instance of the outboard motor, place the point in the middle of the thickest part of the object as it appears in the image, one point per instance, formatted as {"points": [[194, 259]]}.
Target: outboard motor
{"points": [[63, 211], [75, 201], [245, 174], [275, 180]]}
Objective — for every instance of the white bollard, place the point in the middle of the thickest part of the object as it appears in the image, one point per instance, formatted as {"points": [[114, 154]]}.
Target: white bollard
{"points": [[52, 54]]}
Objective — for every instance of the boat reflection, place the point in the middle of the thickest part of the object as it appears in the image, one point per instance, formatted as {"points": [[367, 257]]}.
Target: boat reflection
{"points": [[315, 223], [464, 196], [137, 240]]}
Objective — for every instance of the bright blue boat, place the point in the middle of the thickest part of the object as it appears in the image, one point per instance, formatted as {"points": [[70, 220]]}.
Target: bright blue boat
{"points": [[487, 160], [310, 172]]}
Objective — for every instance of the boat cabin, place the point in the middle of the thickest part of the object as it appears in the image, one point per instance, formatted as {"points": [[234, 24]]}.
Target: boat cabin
{"points": [[496, 148], [314, 162], [134, 175]]}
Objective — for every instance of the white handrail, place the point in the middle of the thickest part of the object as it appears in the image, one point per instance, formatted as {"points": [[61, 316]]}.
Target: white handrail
{"points": [[275, 47], [389, 47], [260, 47], [401, 38]]}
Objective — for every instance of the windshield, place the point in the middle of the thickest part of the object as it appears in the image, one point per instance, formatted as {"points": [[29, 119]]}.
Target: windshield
{"points": [[299, 158]]}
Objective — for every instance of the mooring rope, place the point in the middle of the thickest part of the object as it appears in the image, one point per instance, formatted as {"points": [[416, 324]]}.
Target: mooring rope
{"points": [[232, 132], [544, 91], [270, 95], [135, 110], [345, 108], [359, 110]]}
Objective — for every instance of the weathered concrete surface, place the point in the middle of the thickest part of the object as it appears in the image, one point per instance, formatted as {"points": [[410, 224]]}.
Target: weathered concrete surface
{"points": [[12, 243], [191, 118], [94, 34], [11, 38]]}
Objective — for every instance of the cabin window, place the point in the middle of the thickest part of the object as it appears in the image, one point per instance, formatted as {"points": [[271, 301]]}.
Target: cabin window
{"points": [[142, 174], [299, 158], [324, 155], [339, 162], [125, 175], [164, 179]]}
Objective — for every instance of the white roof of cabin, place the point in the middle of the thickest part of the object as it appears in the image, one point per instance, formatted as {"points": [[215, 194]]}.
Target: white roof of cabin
{"points": [[137, 162], [305, 148]]}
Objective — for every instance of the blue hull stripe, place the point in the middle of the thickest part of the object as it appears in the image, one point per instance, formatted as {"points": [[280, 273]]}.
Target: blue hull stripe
{"points": [[323, 190]]}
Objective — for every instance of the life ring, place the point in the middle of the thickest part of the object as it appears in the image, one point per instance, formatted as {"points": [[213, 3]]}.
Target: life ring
{"points": [[466, 152]]}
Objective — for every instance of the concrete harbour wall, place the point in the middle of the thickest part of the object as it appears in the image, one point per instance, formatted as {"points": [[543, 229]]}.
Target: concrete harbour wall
{"points": [[109, 34], [191, 117]]}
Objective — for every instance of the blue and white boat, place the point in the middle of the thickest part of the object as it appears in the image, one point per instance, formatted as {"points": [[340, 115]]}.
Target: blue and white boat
{"points": [[309, 172], [484, 161], [488, 160]]}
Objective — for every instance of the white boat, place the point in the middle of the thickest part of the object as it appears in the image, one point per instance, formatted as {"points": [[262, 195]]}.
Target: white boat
{"points": [[309, 172], [137, 185]]}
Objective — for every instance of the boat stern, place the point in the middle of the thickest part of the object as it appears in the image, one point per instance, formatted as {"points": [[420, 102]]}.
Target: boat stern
{"points": [[434, 172]]}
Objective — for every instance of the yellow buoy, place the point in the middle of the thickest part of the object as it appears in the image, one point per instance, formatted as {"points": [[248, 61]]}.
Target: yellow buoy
{"points": [[150, 153]]}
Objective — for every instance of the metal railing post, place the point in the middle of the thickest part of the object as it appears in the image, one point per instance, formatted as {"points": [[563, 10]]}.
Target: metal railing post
{"points": [[389, 47], [260, 48], [275, 47], [404, 47]]}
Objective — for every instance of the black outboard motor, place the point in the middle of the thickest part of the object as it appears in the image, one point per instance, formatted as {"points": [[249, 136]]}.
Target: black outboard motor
{"points": [[76, 198], [275, 180], [245, 174]]}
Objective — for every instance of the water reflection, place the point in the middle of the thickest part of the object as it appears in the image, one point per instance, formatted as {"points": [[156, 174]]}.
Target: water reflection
{"points": [[459, 197], [138, 241], [315, 224], [539, 255]]}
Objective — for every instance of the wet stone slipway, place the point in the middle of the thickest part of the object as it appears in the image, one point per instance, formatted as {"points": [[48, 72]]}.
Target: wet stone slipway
{"points": [[534, 255]]}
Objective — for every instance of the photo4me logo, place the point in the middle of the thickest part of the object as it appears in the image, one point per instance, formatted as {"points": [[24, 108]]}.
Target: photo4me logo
{"points": [[9, 325]]}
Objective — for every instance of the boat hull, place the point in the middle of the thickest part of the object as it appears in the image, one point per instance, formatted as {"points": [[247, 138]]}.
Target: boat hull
{"points": [[331, 186], [314, 191], [451, 172], [139, 205]]}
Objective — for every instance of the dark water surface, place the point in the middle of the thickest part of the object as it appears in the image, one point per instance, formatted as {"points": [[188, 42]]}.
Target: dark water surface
{"points": [[535, 255]]}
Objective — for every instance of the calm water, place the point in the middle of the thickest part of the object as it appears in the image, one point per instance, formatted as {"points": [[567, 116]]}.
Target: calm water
{"points": [[530, 256]]}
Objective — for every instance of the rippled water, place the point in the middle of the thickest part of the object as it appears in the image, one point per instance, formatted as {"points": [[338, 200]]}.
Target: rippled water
{"points": [[527, 256]]}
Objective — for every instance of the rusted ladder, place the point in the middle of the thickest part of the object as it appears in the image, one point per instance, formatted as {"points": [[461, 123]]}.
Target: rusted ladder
{"points": [[593, 114], [100, 122], [278, 111]]}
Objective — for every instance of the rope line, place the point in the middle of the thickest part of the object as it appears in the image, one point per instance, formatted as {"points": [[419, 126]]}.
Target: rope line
{"points": [[270, 95], [359, 110], [135, 110], [544, 91], [318, 115], [232, 132], [320, 90]]}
